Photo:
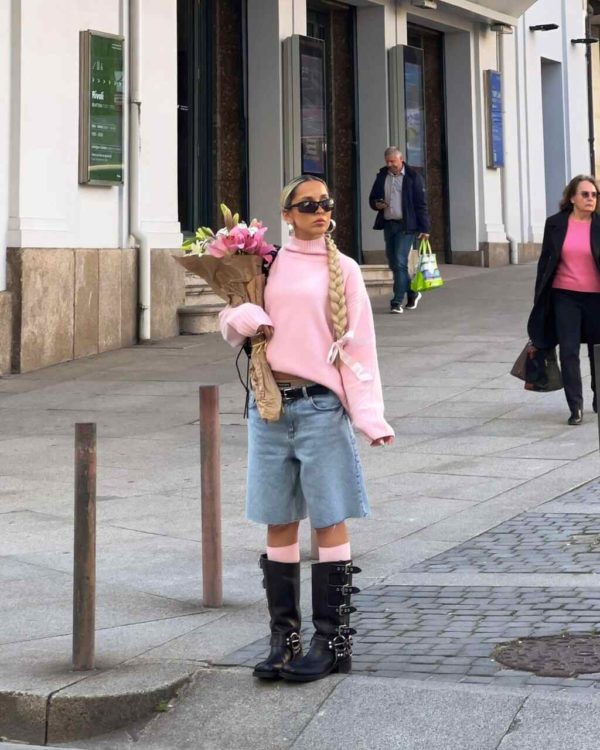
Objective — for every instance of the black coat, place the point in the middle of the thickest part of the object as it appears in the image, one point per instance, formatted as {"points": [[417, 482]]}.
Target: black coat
{"points": [[540, 326], [414, 203]]}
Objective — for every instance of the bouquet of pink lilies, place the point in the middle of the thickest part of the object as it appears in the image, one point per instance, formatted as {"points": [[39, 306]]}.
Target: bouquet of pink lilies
{"points": [[232, 261], [235, 238]]}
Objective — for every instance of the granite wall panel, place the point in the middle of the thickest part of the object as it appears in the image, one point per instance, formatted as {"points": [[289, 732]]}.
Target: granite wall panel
{"points": [[85, 336], [168, 293], [44, 335], [63, 304], [109, 294], [129, 297], [5, 331]]}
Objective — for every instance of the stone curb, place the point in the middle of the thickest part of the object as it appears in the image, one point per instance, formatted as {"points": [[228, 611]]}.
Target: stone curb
{"points": [[103, 702]]}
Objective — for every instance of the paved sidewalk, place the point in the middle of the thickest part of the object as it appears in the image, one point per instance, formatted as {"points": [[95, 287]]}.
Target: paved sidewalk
{"points": [[472, 540]]}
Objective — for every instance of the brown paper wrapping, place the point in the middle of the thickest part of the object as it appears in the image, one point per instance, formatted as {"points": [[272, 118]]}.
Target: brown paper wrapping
{"points": [[237, 279]]}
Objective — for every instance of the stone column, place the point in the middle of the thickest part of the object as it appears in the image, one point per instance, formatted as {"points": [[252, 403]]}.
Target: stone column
{"points": [[379, 27], [492, 234], [460, 124], [5, 97], [269, 23], [511, 186]]}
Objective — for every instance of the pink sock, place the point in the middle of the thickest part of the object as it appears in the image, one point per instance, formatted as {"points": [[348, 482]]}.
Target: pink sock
{"points": [[335, 554], [289, 554]]}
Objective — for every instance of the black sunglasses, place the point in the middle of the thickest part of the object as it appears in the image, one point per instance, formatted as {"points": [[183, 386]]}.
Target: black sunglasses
{"points": [[311, 207], [587, 194]]}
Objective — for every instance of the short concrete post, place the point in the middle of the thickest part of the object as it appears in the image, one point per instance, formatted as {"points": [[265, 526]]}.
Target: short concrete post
{"points": [[210, 480], [84, 559]]}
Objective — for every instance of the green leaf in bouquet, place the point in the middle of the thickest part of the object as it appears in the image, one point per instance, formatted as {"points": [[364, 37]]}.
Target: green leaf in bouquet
{"points": [[203, 233], [193, 247]]}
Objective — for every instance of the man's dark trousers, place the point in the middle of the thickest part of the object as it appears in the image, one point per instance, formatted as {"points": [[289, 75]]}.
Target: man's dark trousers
{"points": [[398, 243]]}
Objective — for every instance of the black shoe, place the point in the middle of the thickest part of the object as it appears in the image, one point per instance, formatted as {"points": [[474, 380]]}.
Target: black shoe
{"points": [[395, 308], [575, 418], [282, 583], [331, 646], [412, 303]]}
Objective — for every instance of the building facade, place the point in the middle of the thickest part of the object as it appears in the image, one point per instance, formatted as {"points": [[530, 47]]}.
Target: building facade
{"points": [[224, 101]]}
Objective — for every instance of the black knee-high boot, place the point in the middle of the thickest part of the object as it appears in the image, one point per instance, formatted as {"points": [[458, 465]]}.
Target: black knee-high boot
{"points": [[282, 584], [331, 646]]}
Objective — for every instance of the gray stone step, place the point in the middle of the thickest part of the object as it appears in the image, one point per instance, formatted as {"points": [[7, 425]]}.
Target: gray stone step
{"points": [[197, 291], [378, 279], [203, 318]]}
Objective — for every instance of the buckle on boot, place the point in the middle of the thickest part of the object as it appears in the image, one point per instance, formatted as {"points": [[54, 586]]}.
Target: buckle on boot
{"points": [[347, 568], [341, 646], [294, 642], [345, 609], [346, 589]]}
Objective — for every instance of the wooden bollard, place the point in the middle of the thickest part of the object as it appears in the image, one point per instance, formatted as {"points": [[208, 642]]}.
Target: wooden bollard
{"points": [[84, 558], [210, 482], [314, 545]]}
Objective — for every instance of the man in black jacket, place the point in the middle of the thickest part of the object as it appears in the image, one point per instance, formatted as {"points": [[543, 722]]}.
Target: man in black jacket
{"points": [[398, 196]]}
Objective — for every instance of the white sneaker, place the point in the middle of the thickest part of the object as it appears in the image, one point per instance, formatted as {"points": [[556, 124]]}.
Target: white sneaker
{"points": [[412, 305], [396, 309]]}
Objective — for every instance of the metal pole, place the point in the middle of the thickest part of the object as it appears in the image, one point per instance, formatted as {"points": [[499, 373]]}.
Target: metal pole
{"points": [[597, 378], [84, 563], [210, 482]]}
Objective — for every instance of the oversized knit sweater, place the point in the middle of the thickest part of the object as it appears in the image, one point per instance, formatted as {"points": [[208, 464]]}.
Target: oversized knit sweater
{"points": [[297, 306]]}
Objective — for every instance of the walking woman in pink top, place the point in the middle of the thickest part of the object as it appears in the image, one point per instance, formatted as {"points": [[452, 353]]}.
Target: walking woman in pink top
{"points": [[321, 347], [566, 308]]}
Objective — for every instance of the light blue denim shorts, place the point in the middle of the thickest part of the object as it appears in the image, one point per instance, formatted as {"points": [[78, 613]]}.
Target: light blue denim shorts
{"points": [[307, 463]]}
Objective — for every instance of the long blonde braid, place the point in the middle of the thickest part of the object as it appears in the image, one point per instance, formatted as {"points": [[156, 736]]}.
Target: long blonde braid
{"points": [[337, 298]]}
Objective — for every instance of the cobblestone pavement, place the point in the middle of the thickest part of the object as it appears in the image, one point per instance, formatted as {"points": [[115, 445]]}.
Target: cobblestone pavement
{"points": [[589, 494], [528, 543], [448, 633]]}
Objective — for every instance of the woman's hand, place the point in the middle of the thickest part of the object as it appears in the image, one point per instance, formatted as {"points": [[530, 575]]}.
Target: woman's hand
{"points": [[267, 331], [387, 440]]}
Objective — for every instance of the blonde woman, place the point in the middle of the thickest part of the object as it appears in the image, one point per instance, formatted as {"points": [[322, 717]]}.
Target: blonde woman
{"points": [[321, 347]]}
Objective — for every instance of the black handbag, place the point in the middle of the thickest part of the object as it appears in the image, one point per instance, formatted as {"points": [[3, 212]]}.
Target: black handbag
{"points": [[538, 368], [518, 369]]}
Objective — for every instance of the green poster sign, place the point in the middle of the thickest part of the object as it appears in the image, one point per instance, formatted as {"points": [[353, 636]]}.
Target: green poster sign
{"points": [[101, 109]]}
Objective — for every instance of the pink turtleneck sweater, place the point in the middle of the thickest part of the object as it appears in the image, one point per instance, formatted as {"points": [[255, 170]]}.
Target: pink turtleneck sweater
{"points": [[577, 268], [297, 306]]}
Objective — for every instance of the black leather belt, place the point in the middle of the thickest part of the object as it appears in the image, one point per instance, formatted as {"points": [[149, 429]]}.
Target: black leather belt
{"points": [[303, 391]]}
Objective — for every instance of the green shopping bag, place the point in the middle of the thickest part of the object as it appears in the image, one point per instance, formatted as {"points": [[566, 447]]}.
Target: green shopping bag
{"points": [[428, 274]]}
